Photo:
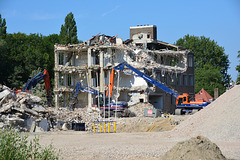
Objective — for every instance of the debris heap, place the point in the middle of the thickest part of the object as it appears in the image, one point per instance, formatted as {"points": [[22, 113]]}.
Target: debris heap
{"points": [[19, 110]]}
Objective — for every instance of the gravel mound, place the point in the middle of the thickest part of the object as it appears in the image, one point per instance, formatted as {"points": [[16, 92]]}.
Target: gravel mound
{"points": [[194, 148], [219, 121]]}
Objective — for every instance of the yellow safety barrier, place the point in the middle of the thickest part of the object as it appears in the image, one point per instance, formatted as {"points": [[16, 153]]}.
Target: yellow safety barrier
{"points": [[167, 115], [104, 126]]}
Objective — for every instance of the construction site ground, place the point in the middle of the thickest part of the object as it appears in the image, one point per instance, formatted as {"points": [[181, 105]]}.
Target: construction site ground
{"points": [[218, 122], [137, 145]]}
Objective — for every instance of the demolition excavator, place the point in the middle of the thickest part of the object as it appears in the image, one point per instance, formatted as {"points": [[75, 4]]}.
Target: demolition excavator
{"points": [[106, 109], [183, 103], [31, 83]]}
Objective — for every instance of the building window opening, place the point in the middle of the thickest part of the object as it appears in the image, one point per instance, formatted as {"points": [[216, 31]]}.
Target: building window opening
{"points": [[61, 59], [185, 80], [61, 79], [69, 80], [190, 61], [190, 80]]}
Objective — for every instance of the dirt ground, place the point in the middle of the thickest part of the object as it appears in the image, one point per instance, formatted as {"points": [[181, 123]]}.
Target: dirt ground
{"points": [[132, 141], [219, 122], [135, 146]]}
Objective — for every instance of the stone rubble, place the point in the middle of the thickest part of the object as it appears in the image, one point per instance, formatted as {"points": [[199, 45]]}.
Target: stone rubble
{"points": [[26, 113], [17, 109]]}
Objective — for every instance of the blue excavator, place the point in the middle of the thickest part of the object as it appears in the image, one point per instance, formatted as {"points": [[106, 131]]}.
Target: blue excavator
{"points": [[183, 103], [120, 107]]}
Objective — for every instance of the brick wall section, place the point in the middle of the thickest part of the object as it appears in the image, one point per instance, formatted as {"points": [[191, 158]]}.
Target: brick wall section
{"points": [[152, 30]]}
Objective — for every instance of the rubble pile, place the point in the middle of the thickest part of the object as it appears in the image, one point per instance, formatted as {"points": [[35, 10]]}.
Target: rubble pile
{"points": [[79, 115], [138, 108], [20, 110]]}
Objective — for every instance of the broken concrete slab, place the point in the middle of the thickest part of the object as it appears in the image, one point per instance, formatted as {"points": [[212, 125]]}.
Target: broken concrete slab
{"points": [[38, 129], [18, 109], [6, 107], [4, 93], [33, 127], [44, 124], [34, 99], [39, 108], [31, 111], [66, 126]]}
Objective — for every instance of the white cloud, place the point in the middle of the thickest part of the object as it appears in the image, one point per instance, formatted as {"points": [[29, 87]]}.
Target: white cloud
{"points": [[112, 10]]}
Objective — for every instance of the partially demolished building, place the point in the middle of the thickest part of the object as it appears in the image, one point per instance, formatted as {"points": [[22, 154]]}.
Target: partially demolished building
{"points": [[92, 61]]}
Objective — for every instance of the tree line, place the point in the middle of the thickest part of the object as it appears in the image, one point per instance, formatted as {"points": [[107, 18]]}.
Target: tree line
{"points": [[22, 55]]}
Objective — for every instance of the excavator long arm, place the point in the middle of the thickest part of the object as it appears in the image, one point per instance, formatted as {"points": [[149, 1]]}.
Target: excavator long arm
{"points": [[147, 78], [31, 83]]}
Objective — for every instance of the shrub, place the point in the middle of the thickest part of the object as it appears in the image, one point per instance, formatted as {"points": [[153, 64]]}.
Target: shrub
{"points": [[14, 146]]}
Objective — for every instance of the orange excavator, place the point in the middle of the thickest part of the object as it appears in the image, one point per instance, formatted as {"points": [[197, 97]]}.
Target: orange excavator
{"points": [[183, 103], [31, 83]]}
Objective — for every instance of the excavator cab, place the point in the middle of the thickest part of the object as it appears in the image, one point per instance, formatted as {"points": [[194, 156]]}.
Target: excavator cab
{"points": [[183, 99]]}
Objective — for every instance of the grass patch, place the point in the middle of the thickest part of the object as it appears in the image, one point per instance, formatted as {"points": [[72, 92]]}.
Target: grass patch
{"points": [[14, 146]]}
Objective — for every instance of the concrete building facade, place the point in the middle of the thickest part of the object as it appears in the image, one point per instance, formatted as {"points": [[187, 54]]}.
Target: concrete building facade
{"points": [[92, 61]]}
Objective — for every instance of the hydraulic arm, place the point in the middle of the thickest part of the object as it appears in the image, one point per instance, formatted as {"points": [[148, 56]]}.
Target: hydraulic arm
{"points": [[147, 78], [35, 80]]}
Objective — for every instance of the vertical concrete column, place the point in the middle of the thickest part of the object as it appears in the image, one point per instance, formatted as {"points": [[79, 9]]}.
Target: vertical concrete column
{"points": [[89, 57], [101, 58], [56, 77], [56, 100], [56, 56], [89, 78], [89, 84]]}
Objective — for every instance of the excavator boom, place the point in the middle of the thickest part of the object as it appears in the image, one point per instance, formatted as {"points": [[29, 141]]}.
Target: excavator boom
{"points": [[31, 83]]}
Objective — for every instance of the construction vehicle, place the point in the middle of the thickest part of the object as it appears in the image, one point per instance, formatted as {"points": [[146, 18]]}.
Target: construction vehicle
{"points": [[183, 103], [31, 83], [81, 87], [109, 108]]}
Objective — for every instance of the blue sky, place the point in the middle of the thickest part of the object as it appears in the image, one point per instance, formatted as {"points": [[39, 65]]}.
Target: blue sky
{"points": [[217, 19]]}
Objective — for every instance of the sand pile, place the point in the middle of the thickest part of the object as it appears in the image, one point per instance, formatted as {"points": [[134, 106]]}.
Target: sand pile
{"points": [[218, 121], [194, 148]]}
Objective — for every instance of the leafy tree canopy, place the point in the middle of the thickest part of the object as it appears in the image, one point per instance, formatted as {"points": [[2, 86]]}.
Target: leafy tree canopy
{"points": [[27, 53], [68, 33], [3, 28], [209, 77], [238, 69], [208, 55]]}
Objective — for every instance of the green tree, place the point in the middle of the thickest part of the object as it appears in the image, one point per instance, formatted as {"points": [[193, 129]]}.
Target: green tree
{"points": [[207, 53], [68, 33], [27, 53], [238, 69], [209, 77], [3, 61], [3, 28]]}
